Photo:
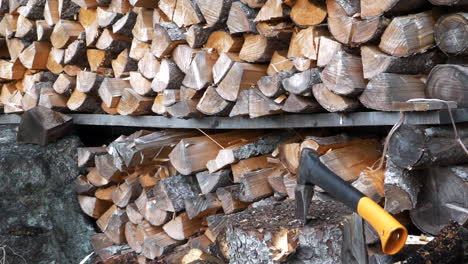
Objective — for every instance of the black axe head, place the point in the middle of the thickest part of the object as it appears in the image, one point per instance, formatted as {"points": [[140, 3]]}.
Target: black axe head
{"points": [[305, 186]]}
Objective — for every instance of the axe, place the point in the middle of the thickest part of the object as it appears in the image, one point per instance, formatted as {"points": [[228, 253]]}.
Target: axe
{"points": [[313, 172]]}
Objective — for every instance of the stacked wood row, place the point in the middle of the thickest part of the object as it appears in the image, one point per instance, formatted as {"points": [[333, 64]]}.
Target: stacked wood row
{"points": [[171, 193], [190, 58]]}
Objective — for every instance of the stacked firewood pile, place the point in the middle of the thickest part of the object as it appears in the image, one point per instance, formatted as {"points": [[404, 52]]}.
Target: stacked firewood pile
{"points": [[186, 58], [186, 195]]}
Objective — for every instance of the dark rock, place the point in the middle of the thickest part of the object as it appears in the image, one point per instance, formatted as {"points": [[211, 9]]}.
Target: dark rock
{"points": [[40, 218]]}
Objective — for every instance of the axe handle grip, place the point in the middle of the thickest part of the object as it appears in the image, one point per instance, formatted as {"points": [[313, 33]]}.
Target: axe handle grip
{"points": [[313, 172]]}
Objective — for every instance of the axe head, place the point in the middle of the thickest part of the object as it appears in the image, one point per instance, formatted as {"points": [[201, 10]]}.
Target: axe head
{"points": [[304, 194]]}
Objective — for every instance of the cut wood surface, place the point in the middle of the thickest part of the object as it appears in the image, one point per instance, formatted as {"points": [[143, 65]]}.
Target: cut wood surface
{"points": [[333, 102], [448, 82], [386, 88], [451, 34]]}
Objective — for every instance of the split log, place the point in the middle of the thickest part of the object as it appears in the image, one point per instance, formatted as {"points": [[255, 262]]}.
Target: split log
{"points": [[8, 25], [158, 244], [138, 49], [327, 49], [143, 26], [26, 29], [50, 99], [241, 76], [35, 56], [182, 56], [308, 13], [65, 32], [278, 239], [273, 10], [371, 184], [106, 249], [11, 70], [51, 14], [348, 162], [153, 214], [134, 215], [76, 53], [132, 103], [306, 43], [248, 165], [92, 206], [300, 104], [229, 197], [126, 24], [148, 66], [272, 86], [276, 29], [169, 76], [401, 189], [124, 64], [343, 75], [448, 82], [106, 17], [95, 178], [15, 47], [222, 41], [111, 90], [140, 84], [83, 186], [202, 206], [254, 185], [52, 64], [67, 9], [186, 13], [214, 12], [14, 104], [210, 181], [223, 65], [386, 88], [143, 3], [241, 107], [375, 61], [171, 97], [105, 193], [86, 155], [378, 8], [350, 30], [130, 153], [106, 168], [257, 48], [407, 35], [81, 102], [88, 82], [42, 126], [241, 19], [200, 73], [213, 104], [279, 63], [98, 59], [301, 83], [126, 192], [253, 145], [276, 181], [184, 109], [450, 34], [192, 154], [112, 42], [331, 101], [166, 36], [417, 147], [112, 223], [444, 201], [170, 193], [260, 105], [197, 35]]}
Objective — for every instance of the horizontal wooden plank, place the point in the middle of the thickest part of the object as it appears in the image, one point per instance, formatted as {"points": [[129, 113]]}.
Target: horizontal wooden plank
{"points": [[271, 122]]}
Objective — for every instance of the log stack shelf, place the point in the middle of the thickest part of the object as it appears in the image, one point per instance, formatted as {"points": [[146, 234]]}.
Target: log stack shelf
{"points": [[375, 118]]}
